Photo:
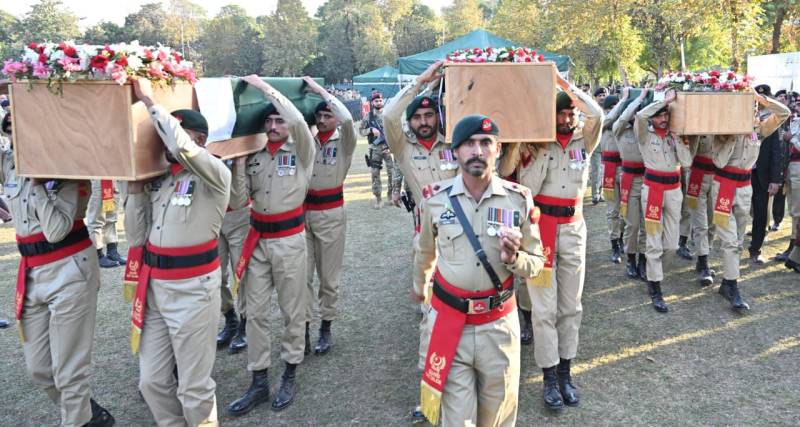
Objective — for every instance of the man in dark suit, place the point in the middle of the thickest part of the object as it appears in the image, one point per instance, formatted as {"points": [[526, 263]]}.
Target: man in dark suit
{"points": [[766, 178]]}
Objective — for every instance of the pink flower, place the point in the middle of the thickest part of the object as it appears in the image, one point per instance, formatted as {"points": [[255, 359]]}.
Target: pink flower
{"points": [[156, 70], [70, 64], [41, 70], [118, 74], [162, 56], [11, 68]]}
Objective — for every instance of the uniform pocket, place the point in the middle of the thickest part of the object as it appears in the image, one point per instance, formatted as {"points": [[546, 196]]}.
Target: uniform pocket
{"points": [[451, 237]]}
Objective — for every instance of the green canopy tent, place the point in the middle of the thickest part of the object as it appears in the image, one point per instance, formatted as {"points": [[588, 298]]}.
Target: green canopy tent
{"points": [[415, 65], [383, 79]]}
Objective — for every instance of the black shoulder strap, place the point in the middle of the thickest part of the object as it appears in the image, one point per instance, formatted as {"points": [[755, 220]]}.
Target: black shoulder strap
{"points": [[473, 240]]}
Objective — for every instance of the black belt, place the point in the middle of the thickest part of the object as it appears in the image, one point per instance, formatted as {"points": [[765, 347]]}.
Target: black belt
{"points": [[662, 179], [636, 171], [733, 176], [709, 167], [613, 159], [318, 200], [166, 262], [45, 247], [557, 211], [465, 305], [278, 226]]}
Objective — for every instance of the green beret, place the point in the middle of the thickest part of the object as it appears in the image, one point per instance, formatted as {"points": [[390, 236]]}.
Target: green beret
{"points": [[191, 120], [322, 106], [610, 101], [563, 102], [269, 109], [419, 102], [472, 125]]}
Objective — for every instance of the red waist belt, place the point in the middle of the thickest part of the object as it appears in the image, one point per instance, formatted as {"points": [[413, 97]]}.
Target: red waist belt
{"points": [[611, 161], [150, 261], [450, 303], [36, 251], [729, 180], [657, 183], [269, 227], [554, 211], [630, 170], [794, 156], [320, 200], [701, 166]]}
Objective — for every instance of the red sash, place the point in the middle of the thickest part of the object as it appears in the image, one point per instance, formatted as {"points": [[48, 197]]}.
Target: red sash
{"points": [[107, 195], [655, 197], [145, 272], [626, 183], [729, 180], [548, 226], [794, 155], [446, 334], [701, 166], [31, 261], [320, 200], [269, 227], [611, 161]]}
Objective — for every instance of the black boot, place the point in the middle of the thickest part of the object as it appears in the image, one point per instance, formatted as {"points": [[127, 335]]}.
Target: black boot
{"points": [[325, 342], [654, 288], [287, 390], [100, 416], [791, 265], [551, 395], [257, 393], [239, 341], [683, 251], [705, 275], [568, 391], [729, 289], [641, 267], [111, 251], [307, 349], [630, 267], [784, 256], [229, 330], [104, 261], [526, 331], [616, 251]]}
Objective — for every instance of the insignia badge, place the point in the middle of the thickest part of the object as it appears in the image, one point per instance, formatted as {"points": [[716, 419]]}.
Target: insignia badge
{"points": [[486, 126], [425, 102], [448, 217]]}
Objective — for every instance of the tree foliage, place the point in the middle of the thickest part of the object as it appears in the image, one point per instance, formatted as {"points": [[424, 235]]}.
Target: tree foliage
{"points": [[290, 39]]}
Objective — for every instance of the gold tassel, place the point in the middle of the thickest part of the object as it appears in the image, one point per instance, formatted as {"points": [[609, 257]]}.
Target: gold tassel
{"points": [[109, 205], [136, 335], [128, 290], [609, 194], [428, 291], [544, 279], [20, 331], [691, 201], [235, 286], [623, 209], [430, 403], [653, 228], [721, 220]]}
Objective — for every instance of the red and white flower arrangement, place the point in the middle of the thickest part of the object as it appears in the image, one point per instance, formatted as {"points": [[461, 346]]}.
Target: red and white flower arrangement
{"points": [[491, 54], [68, 62], [711, 81]]}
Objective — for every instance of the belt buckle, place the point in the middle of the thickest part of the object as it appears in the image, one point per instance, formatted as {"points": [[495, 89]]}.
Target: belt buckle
{"points": [[479, 305]]}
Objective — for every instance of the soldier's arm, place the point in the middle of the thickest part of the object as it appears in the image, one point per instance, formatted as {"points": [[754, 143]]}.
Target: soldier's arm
{"points": [[779, 115], [137, 216], [56, 212], [626, 116], [642, 121], [363, 128], [347, 131], [530, 259], [508, 164], [593, 114], [393, 118], [425, 247], [613, 115], [684, 153], [239, 193]]}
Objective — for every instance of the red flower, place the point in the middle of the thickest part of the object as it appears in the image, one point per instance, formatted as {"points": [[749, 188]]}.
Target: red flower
{"points": [[99, 62], [528, 59], [731, 75], [177, 57], [67, 49], [107, 52], [122, 61], [713, 80], [148, 55], [42, 58], [33, 46], [540, 57], [714, 73]]}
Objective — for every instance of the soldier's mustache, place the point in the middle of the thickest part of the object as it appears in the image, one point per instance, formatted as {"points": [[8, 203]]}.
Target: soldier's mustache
{"points": [[476, 160]]}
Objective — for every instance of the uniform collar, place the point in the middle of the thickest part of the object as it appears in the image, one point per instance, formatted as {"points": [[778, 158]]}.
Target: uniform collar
{"points": [[495, 187], [333, 137], [439, 140]]}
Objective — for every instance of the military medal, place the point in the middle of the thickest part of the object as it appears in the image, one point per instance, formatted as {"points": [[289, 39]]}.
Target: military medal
{"points": [[183, 193], [329, 156], [499, 218], [577, 158], [446, 160], [286, 163]]}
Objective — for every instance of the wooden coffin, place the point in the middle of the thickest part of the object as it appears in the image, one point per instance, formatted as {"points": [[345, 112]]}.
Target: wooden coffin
{"points": [[3, 86], [519, 97], [94, 130], [712, 113]]}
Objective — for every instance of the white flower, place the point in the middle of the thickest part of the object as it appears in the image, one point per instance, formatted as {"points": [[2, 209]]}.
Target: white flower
{"points": [[57, 55], [134, 61], [687, 86]]}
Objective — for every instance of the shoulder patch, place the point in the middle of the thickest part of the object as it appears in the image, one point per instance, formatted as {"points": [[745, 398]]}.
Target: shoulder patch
{"points": [[534, 215], [431, 190]]}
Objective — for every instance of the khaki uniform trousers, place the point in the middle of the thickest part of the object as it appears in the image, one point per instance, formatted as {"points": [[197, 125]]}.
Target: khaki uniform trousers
{"points": [[523, 296], [276, 265], [59, 320], [686, 211], [325, 238], [732, 237], [482, 388], [792, 189], [616, 224], [231, 238], [701, 217], [180, 331], [102, 226], [557, 310], [596, 173], [668, 238], [634, 235]]}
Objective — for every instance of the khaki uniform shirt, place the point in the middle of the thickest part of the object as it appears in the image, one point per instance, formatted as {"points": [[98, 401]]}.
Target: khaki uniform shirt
{"points": [[163, 215], [659, 154], [333, 158], [623, 134], [442, 235], [608, 142], [702, 145], [741, 151], [420, 167], [278, 183]]}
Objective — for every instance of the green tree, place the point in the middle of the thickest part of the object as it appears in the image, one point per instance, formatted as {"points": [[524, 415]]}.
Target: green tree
{"points": [[462, 17], [416, 31], [10, 45], [105, 32], [49, 20], [231, 43], [290, 39], [184, 25], [519, 20], [148, 25]]}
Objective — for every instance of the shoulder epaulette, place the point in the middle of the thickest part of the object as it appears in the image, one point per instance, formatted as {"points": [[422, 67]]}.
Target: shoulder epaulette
{"points": [[517, 188], [431, 190]]}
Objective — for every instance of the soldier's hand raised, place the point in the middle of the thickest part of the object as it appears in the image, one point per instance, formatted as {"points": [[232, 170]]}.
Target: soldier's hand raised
{"points": [[143, 90], [510, 241], [431, 73], [255, 81]]}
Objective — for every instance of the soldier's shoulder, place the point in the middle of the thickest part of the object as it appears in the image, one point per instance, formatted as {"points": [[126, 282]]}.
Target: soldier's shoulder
{"points": [[435, 189], [516, 188]]}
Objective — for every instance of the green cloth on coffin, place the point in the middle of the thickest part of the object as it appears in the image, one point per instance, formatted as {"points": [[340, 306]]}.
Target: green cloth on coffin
{"points": [[250, 102], [634, 93]]}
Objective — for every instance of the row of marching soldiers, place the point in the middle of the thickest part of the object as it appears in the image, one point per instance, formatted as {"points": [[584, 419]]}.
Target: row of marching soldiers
{"points": [[702, 188]]}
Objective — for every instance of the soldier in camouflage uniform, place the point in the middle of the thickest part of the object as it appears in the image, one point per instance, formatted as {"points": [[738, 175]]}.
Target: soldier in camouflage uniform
{"points": [[372, 128]]}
